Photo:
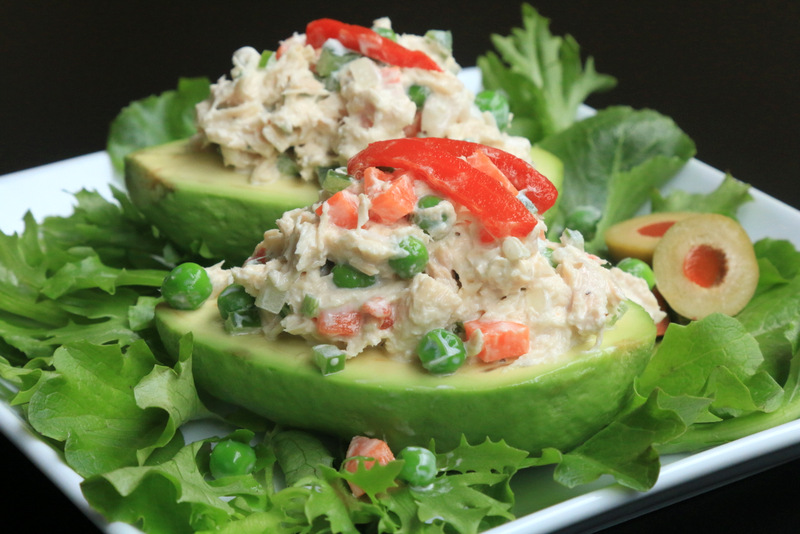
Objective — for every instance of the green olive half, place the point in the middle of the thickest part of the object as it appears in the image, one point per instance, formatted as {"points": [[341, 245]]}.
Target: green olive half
{"points": [[705, 264]]}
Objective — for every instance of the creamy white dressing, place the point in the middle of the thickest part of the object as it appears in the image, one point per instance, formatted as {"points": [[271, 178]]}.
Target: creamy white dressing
{"points": [[283, 108]]}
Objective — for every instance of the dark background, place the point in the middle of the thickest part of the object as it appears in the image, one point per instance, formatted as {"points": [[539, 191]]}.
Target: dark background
{"points": [[727, 72]]}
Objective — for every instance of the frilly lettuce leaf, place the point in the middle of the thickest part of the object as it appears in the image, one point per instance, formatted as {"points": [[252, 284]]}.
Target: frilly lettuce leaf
{"points": [[542, 75], [175, 495], [726, 199], [88, 403], [156, 119], [178, 494]]}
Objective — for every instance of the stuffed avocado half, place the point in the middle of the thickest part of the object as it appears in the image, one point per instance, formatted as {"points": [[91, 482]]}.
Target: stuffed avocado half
{"points": [[421, 301], [555, 404]]}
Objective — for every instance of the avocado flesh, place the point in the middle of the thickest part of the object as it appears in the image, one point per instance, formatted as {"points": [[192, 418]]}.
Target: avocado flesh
{"points": [[551, 167], [205, 207], [558, 404]]}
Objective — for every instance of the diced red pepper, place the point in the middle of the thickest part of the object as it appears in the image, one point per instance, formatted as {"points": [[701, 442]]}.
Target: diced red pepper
{"points": [[394, 203], [339, 323], [502, 340], [381, 309], [367, 42], [342, 209], [442, 166]]}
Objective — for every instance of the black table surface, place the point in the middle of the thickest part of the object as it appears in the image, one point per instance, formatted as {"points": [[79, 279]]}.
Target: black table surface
{"points": [[725, 71]]}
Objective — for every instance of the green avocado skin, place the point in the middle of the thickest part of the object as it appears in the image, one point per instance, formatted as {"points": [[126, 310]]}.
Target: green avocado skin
{"points": [[204, 207], [559, 404]]}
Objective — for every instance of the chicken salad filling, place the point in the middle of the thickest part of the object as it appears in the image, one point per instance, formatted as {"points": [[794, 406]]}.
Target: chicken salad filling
{"points": [[390, 258], [316, 102]]}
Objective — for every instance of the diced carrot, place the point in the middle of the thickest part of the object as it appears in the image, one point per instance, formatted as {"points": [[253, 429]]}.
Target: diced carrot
{"points": [[502, 340], [342, 209], [397, 201], [375, 181], [373, 448], [342, 323], [483, 163], [381, 309]]}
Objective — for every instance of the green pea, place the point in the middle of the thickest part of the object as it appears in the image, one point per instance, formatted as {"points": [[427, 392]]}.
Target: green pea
{"points": [[232, 458], [584, 219], [638, 268], [495, 103], [426, 221], [428, 201], [347, 276], [419, 468], [186, 286], [418, 94], [414, 261], [441, 351]]}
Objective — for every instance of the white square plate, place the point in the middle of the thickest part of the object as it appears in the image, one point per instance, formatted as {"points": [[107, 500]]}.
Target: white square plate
{"points": [[542, 505]]}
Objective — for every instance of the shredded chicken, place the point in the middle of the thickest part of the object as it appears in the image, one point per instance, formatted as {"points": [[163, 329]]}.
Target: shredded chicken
{"points": [[282, 109]]}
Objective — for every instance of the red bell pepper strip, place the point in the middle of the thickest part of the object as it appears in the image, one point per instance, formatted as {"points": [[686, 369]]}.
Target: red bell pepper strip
{"points": [[519, 172], [367, 42], [441, 166], [501, 213]]}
